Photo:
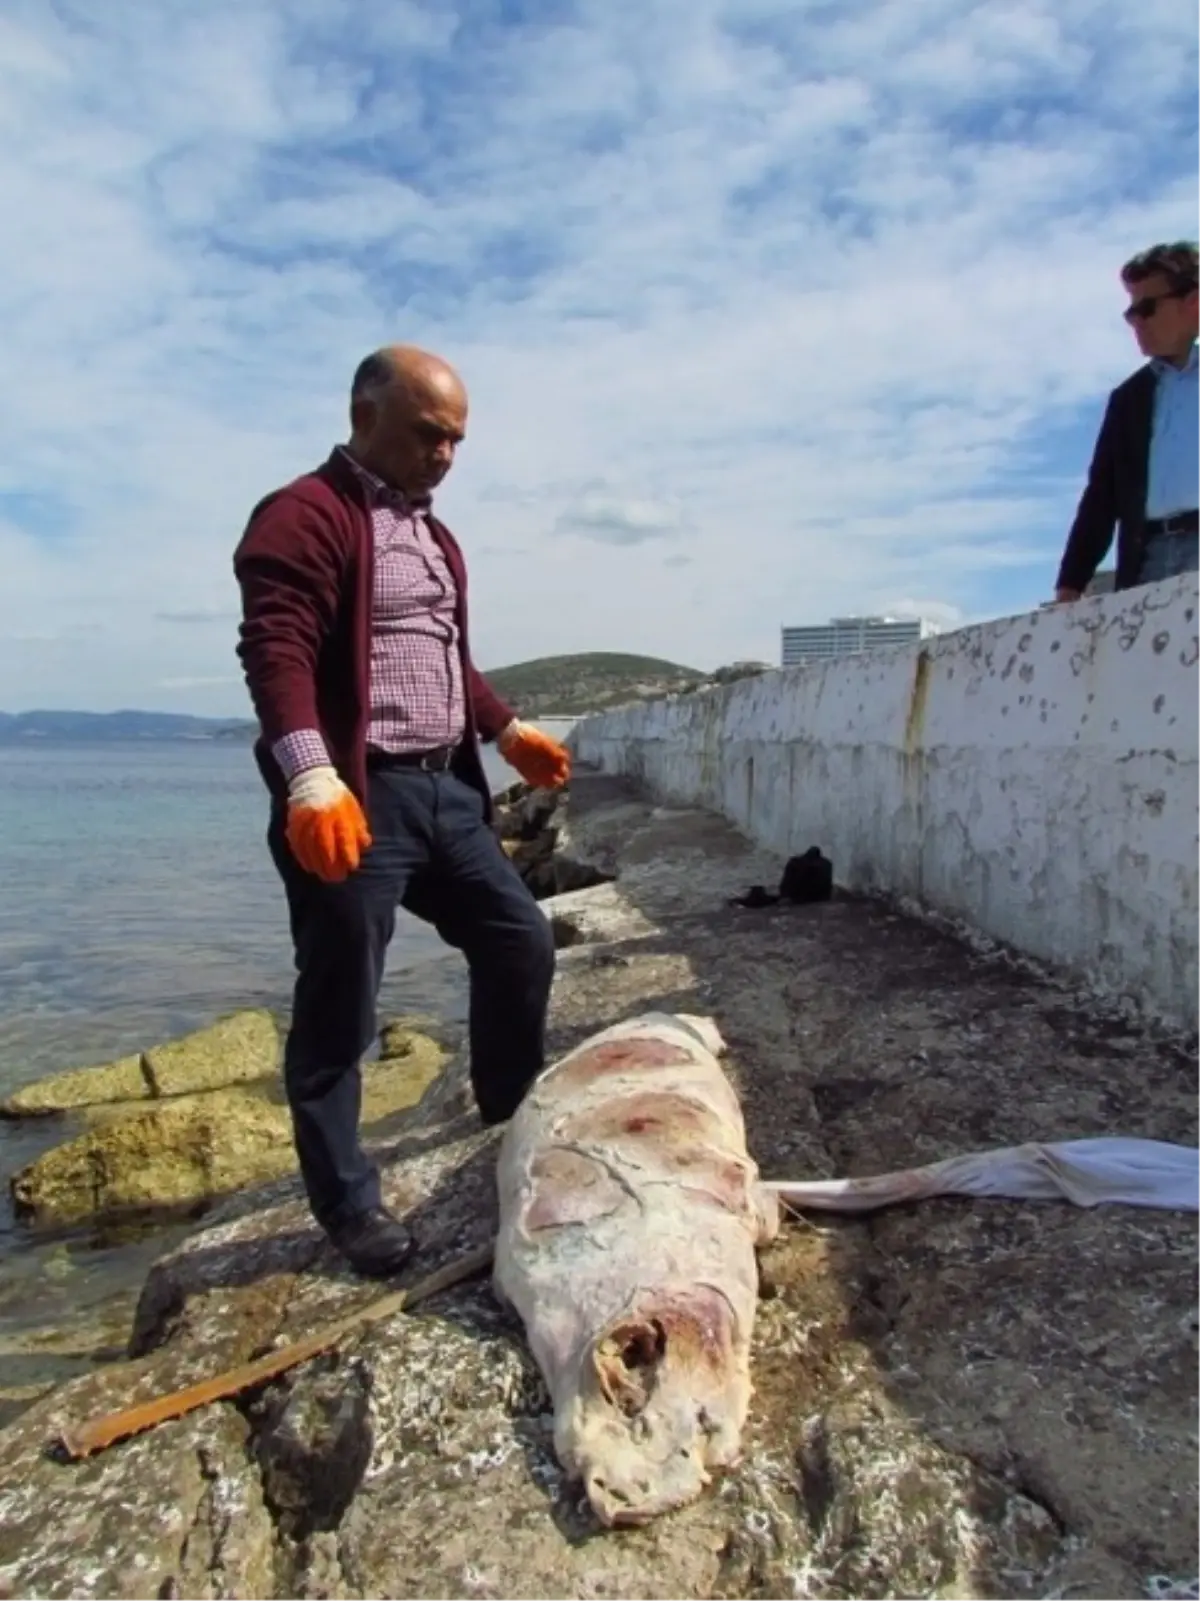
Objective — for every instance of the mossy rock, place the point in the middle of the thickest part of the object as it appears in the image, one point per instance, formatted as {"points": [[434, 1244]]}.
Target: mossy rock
{"points": [[184, 1151], [406, 1036], [233, 1050], [237, 1049], [110, 1082], [160, 1157], [409, 1061]]}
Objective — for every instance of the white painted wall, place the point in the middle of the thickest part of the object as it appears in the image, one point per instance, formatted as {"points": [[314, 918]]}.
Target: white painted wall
{"points": [[1035, 777]]}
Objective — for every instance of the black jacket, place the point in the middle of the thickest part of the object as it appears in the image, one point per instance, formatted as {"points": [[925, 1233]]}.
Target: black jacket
{"points": [[1116, 489]]}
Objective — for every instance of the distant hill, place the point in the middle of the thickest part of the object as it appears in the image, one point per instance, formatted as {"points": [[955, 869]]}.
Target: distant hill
{"points": [[570, 686], [26, 727], [566, 686]]}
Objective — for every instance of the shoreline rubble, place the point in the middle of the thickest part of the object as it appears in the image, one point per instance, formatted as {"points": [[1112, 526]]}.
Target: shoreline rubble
{"points": [[975, 1399]]}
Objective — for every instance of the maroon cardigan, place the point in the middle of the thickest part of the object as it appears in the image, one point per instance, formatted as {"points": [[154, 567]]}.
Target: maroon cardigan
{"points": [[306, 570]]}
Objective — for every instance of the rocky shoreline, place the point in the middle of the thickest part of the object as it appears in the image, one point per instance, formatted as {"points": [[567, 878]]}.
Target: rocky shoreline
{"points": [[217, 1124], [142, 1147], [979, 1399], [147, 1145]]}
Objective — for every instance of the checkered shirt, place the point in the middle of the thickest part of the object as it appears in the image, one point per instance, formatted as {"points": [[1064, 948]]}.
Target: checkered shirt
{"points": [[417, 697]]}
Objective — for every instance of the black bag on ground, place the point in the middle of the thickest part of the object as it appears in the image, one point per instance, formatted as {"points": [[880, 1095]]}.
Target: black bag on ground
{"points": [[806, 879]]}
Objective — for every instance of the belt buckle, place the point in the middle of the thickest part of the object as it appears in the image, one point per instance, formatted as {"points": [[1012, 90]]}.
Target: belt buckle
{"points": [[434, 761]]}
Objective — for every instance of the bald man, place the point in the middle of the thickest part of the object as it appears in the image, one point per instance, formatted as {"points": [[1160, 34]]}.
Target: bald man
{"points": [[355, 650]]}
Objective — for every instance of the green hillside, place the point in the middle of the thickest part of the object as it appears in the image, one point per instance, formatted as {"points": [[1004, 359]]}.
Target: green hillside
{"points": [[569, 686], [572, 685]]}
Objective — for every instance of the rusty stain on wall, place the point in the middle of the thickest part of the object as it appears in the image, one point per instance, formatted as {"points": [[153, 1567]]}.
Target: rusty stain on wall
{"points": [[918, 695]]}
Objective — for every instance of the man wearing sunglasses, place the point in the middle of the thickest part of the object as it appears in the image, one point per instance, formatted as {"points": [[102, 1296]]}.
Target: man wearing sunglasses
{"points": [[1143, 477]]}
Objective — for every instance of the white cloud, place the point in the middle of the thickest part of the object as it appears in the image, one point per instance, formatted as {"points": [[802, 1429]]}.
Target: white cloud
{"points": [[615, 521], [819, 301]]}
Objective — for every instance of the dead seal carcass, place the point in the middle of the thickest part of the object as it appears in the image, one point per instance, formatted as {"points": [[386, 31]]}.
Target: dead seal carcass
{"points": [[629, 1214]]}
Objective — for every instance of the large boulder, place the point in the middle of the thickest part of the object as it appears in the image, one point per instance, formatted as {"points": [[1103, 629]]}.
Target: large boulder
{"points": [[237, 1049], [162, 1157], [409, 1061], [180, 1152], [524, 813], [532, 827]]}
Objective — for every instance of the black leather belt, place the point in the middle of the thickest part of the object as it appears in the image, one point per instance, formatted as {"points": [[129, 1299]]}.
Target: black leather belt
{"points": [[437, 760], [1183, 522]]}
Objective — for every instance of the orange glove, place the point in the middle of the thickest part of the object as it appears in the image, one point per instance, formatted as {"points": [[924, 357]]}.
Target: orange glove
{"points": [[326, 828], [540, 760]]}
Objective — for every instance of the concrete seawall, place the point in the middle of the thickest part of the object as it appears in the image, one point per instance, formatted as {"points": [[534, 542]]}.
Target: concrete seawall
{"points": [[1035, 777]]}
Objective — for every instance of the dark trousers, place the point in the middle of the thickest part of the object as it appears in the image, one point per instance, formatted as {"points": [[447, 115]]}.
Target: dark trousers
{"points": [[1169, 556], [434, 854]]}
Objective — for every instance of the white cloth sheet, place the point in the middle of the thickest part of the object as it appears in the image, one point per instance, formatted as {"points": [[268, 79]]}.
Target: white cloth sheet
{"points": [[1112, 1170]]}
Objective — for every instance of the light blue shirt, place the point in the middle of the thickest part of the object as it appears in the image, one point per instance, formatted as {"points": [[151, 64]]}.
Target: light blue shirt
{"points": [[1174, 453]]}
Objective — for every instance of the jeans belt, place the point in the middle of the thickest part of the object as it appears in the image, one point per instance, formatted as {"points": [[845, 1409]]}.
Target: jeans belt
{"points": [[1183, 522], [437, 760]]}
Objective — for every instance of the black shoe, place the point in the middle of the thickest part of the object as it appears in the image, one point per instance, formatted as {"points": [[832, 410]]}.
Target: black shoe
{"points": [[373, 1242]]}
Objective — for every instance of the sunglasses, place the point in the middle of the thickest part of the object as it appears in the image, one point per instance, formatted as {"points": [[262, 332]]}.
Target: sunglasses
{"points": [[1142, 310]]}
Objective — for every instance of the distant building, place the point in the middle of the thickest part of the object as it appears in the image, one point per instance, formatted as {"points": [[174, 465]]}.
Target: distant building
{"points": [[1103, 583], [850, 636]]}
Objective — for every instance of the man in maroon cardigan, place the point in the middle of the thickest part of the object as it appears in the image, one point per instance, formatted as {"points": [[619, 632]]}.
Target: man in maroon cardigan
{"points": [[355, 649]]}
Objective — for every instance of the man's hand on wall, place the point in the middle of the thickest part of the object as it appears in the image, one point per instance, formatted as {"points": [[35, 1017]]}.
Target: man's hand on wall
{"points": [[1062, 596]]}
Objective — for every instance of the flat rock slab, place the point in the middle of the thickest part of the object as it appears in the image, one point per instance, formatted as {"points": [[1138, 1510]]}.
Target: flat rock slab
{"points": [[960, 1399], [237, 1049]]}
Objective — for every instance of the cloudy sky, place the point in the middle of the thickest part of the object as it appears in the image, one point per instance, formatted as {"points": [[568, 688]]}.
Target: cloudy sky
{"points": [[769, 309]]}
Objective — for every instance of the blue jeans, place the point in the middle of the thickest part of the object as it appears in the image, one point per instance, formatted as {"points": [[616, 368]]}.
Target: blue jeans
{"points": [[1168, 555], [434, 854]]}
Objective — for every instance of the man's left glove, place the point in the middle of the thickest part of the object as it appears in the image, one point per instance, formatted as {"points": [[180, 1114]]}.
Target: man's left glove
{"points": [[326, 828], [540, 760]]}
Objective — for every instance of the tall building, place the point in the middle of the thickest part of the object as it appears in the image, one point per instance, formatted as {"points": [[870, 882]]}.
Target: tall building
{"points": [[849, 636]]}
